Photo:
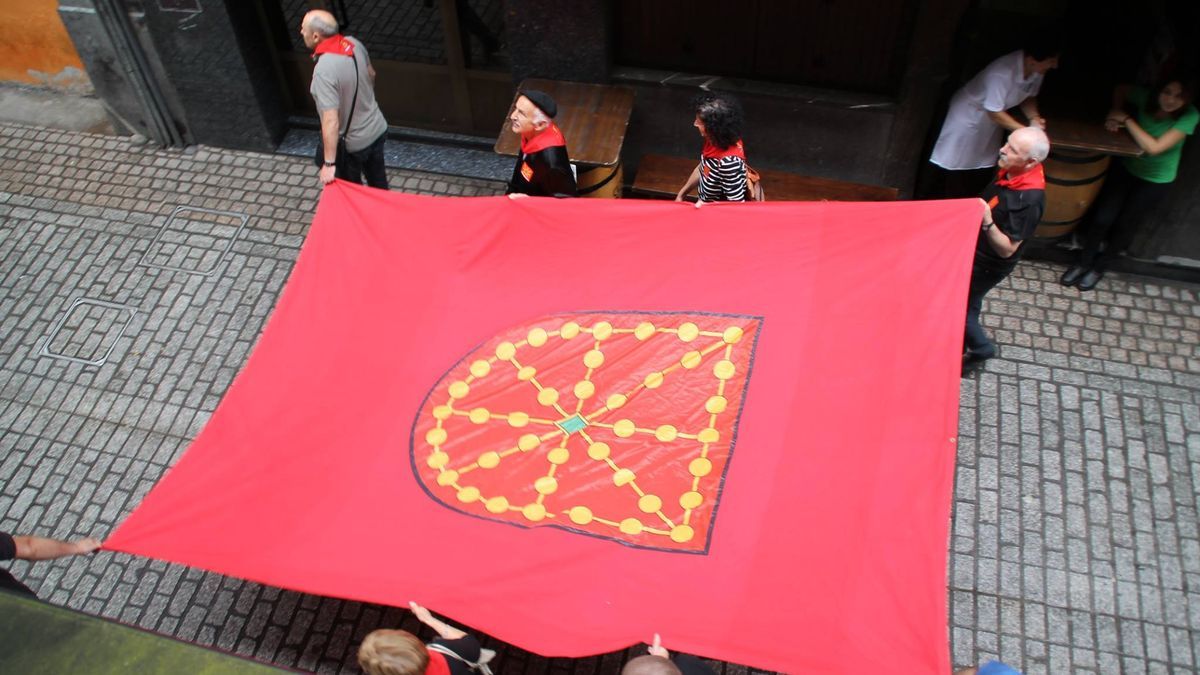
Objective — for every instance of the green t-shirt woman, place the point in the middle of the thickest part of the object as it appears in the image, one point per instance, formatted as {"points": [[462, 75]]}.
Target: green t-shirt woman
{"points": [[1159, 123]]}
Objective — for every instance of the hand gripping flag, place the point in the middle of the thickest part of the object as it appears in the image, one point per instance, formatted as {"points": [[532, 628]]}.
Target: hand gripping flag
{"points": [[574, 423]]}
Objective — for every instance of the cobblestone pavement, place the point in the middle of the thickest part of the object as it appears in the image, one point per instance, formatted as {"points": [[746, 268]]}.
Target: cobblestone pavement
{"points": [[123, 318]]}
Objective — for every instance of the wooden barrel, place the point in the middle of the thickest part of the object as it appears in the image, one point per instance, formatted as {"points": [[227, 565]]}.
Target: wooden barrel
{"points": [[1073, 179], [604, 182]]}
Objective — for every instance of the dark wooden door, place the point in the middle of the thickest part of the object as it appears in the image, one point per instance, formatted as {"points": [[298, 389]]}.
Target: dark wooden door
{"points": [[857, 45]]}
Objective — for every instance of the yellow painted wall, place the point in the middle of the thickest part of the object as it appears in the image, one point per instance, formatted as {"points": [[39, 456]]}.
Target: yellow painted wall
{"points": [[35, 47]]}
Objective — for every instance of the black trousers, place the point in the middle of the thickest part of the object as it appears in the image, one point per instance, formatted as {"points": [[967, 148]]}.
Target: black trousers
{"points": [[1114, 218], [985, 274], [939, 183], [367, 163]]}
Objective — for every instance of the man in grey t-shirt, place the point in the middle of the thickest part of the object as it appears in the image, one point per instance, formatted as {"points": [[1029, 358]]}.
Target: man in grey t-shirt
{"points": [[343, 78]]}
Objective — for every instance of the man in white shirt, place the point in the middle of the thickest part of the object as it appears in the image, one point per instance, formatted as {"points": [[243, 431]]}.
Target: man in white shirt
{"points": [[978, 118]]}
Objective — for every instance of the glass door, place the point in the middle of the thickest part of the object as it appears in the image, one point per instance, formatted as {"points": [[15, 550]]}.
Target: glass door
{"points": [[440, 64]]}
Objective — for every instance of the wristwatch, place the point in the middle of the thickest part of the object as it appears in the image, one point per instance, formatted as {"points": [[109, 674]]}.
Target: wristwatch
{"points": [[989, 226], [329, 163]]}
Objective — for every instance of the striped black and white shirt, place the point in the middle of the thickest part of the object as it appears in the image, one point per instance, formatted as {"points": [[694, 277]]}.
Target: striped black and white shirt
{"points": [[722, 179]]}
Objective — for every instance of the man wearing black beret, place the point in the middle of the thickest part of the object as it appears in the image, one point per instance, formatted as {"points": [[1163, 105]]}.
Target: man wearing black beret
{"points": [[543, 169]]}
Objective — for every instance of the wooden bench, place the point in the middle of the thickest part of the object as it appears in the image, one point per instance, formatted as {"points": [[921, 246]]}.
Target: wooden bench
{"points": [[662, 176]]}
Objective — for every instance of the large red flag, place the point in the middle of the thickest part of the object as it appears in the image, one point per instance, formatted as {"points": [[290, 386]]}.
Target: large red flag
{"points": [[574, 423]]}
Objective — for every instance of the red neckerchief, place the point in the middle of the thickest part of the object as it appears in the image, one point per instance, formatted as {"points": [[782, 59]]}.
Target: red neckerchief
{"points": [[437, 664], [334, 44], [1034, 179], [711, 151], [550, 137]]}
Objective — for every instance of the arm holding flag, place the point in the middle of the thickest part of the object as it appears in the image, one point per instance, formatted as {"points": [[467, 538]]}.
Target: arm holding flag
{"points": [[29, 547], [692, 182], [1004, 246], [442, 628], [329, 141]]}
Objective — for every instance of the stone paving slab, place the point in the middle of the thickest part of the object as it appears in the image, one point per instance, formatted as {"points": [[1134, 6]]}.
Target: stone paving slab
{"points": [[1074, 543]]}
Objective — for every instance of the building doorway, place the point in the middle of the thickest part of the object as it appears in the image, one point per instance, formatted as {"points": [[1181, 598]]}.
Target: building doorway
{"points": [[440, 65]]}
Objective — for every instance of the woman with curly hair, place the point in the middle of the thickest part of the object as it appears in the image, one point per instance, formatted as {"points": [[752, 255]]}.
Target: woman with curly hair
{"points": [[1159, 120], [721, 173]]}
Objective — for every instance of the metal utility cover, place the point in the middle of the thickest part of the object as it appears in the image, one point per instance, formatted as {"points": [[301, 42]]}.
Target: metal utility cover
{"points": [[194, 240], [89, 328]]}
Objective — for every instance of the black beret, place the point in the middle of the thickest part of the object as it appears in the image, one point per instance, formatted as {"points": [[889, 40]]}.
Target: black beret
{"points": [[542, 100]]}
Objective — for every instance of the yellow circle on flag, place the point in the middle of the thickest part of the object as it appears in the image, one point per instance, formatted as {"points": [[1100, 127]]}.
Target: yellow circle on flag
{"points": [[682, 533], [481, 368], [505, 351], [716, 404], [631, 526], [580, 515], [594, 358], [602, 330], [724, 369], [537, 337], [548, 396], [650, 503], [599, 451]]}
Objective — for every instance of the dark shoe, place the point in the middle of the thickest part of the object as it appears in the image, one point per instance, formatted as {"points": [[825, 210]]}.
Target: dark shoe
{"points": [[1072, 275], [972, 360], [1089, 280]]}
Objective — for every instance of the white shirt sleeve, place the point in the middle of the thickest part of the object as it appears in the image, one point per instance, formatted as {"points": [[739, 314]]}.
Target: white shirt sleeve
{"points": [[999, 81]]}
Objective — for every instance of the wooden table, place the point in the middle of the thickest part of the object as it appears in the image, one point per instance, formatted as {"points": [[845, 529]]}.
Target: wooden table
{"points": [[1092, 137], [1080, 153], [593, 117]]}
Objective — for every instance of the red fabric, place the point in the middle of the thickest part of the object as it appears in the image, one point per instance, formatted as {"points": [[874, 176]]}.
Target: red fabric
{"points": [[711, 151], [820, 543], [437, 664], [1034, 179], [550, 137], [334, 44]]}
